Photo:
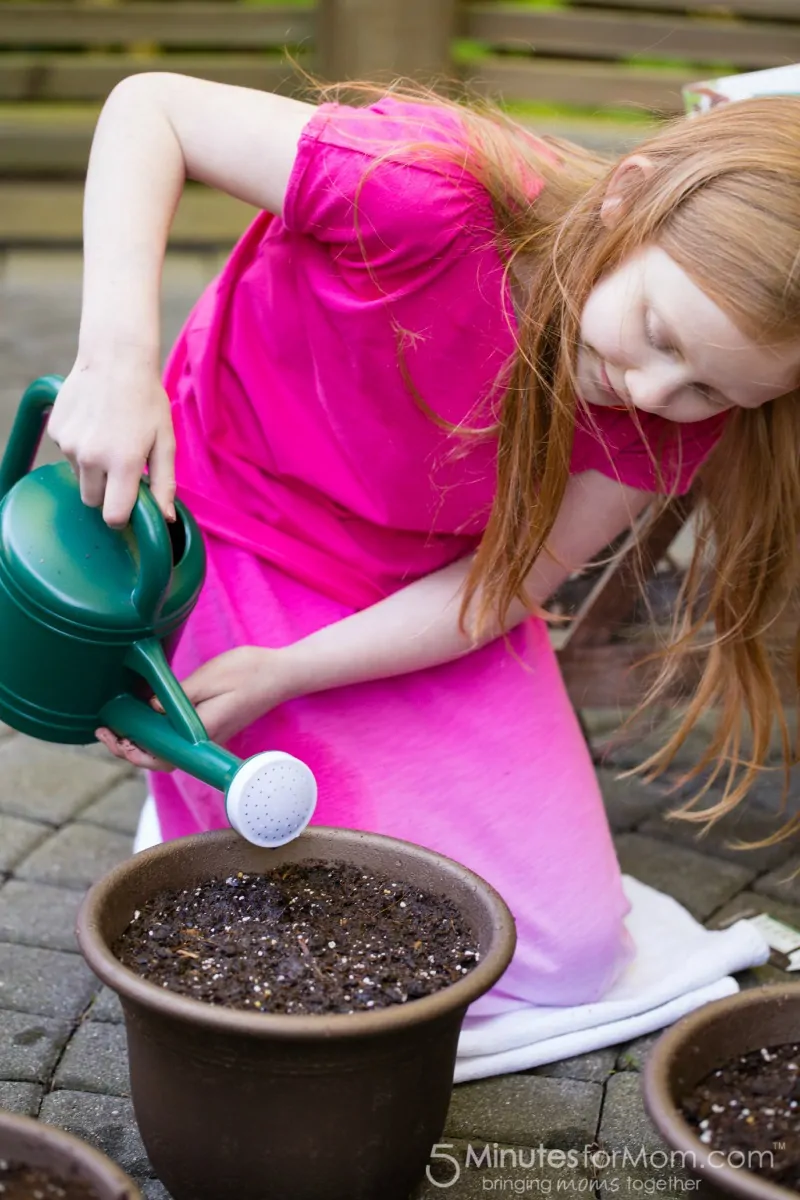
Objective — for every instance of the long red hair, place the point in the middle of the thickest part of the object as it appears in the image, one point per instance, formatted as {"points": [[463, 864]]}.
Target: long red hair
{"points": [[723, 200]]}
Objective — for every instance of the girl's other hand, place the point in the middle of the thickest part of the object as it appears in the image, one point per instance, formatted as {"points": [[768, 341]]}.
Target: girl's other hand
{"points": [[110, 420], [229, 692]]}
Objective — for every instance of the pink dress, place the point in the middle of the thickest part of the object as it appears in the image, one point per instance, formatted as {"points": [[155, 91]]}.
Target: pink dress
{"points": [[321, 487]]}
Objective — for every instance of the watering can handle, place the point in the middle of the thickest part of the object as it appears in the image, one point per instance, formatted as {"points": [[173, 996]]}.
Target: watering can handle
{"points": [[149, 526], [27, 430], [155, 555]]}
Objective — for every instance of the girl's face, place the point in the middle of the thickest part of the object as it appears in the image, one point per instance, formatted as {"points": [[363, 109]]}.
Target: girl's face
{"points": [[651, 339]]}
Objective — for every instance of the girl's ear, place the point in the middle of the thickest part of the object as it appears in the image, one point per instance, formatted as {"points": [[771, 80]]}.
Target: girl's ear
{"points": [[622, 187]]}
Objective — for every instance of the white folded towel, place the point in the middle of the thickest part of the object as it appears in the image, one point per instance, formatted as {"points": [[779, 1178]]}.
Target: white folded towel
{"points": [[679, 966]]}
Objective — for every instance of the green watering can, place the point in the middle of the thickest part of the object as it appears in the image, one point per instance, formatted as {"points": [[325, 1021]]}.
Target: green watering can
{"points": [[84, 610]]}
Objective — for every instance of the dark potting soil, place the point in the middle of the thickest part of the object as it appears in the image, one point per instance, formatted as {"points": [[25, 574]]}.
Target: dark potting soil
{"points": [[18, 1182], [753, 1104], [313, 937]]}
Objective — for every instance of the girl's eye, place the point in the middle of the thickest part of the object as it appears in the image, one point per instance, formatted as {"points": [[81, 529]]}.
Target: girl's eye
{"points": [[652, 337], [707, 393]]}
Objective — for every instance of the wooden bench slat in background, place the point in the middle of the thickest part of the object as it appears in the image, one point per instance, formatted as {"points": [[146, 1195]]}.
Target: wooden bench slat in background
{"points": [[58, 61], [49, 214], [590, 34], [590, 85], [76, 77], [165, 24], [585, 54], [765, 10]]}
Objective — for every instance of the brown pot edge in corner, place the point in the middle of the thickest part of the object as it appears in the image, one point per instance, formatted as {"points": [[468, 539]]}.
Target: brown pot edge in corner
{"points": [[133, 987], [663, 1109], [62, 1153]]}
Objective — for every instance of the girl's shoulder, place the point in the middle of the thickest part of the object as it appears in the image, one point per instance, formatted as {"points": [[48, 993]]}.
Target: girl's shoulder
{"points": [[392, 128], [390, 183]]}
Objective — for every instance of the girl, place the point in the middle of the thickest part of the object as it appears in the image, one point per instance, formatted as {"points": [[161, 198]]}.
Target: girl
{"points": [[445, 366]]}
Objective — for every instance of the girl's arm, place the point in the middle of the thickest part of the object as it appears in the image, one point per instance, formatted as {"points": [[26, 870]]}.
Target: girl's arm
{"points": [[156, 130], [415, 628], [418, 627]]}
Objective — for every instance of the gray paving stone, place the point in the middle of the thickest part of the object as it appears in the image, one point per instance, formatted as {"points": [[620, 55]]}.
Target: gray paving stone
{"points": [[627, 1135], [602, 722], [480, 1169], [782, 883], [594, 1067], [48, 982], [701, 884], [625, 1122], [744, 823], [23, 1098], [49, 783], [106, 1007], [96, 1060], [633, 1055], [632, 747], [153, 1189], [36, 914], [76, 857], [119, 809], [767, 795], [526, 1110], [628, 801], [641, 1164], [30, 1046], [666, 1179], [631, 750], [106, 1122], [17, 838]]}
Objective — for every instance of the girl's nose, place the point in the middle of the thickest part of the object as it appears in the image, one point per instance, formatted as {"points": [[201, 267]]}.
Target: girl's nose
{"points": [[653, 387]]}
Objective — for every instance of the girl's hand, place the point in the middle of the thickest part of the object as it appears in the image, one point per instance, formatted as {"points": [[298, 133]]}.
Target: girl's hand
{"points": [[111, 419], [229, 692]]}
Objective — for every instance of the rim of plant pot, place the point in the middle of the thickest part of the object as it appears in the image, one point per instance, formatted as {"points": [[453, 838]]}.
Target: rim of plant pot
{"points": [[321, 842], [671, 1055], [37, 1144]]}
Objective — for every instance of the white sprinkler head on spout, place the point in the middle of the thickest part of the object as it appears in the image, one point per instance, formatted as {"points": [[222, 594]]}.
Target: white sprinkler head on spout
{"points": [[271, 798]]}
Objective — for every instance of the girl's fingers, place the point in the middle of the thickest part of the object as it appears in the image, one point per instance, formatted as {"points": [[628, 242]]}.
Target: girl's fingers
{"points": [[121, 493], [93, 485], [162, 472], [110, 741], [125, 749]]}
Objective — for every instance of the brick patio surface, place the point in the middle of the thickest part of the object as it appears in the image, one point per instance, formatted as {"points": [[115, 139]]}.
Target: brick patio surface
{"points": [[67, 816]]}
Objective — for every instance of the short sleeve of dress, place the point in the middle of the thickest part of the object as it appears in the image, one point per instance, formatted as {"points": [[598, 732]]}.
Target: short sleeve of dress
{"points": [[371, 184], [610, 442]]}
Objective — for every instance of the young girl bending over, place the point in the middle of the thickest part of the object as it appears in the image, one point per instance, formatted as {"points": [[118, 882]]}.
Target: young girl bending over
{"points": [[447, 364]]}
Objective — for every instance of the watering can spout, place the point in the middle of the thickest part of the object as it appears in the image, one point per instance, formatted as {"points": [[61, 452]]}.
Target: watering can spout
{"points": [[27, 430]]}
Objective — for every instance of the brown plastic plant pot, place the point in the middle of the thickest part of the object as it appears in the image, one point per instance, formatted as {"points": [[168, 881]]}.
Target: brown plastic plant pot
{"points": [[38, 1145], [260, 1106], [700, 1043]]}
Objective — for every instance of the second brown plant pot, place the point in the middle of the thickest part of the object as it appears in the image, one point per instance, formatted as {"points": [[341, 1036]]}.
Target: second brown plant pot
{"points": [[35, 1144], [702, 1042], [261, 1106]]}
